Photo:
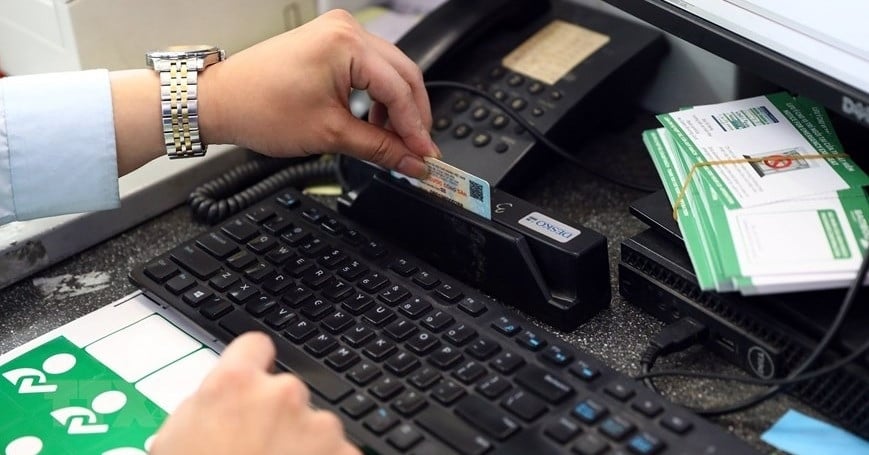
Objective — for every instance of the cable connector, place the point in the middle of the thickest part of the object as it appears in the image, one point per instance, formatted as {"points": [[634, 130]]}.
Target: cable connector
{"points": [[678, 336]]}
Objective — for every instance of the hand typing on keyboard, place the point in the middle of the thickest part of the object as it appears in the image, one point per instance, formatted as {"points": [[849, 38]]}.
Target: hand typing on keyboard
{"points": [[241, 407]]}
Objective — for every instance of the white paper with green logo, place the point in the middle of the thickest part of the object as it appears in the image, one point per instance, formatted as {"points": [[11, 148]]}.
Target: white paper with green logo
{"points": [[783, 223], [102, 384]]}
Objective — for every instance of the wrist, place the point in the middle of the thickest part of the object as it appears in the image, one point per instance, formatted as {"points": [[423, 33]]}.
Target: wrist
{"points": [[212, 126]]}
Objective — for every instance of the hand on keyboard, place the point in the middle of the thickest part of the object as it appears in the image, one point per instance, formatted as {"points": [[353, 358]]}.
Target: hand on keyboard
{"points": [[243, 408]]}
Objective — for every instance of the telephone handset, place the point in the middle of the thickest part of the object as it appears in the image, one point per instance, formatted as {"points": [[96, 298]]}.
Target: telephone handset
{"points": [[562, 67]]}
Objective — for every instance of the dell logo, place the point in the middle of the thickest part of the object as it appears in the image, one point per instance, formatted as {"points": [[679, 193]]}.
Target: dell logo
{"points": [[760, 362]]}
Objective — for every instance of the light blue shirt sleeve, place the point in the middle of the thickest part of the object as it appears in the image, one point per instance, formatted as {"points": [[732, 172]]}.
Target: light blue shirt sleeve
{"points": [[57, 145]]}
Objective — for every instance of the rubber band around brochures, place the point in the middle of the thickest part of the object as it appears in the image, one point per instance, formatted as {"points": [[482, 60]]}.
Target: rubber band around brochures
{"points": [[678, 202]]}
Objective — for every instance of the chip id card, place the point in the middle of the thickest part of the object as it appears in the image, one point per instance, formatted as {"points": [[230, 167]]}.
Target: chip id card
{"points": [[457, 186]]}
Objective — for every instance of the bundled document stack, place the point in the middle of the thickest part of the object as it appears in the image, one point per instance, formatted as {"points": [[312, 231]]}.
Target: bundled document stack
{"points": [[771, 202]]}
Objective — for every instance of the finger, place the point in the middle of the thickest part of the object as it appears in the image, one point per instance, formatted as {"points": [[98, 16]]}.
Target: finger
{"points": [[252, 349], [380, 146], [409, 70], [386, 86]]}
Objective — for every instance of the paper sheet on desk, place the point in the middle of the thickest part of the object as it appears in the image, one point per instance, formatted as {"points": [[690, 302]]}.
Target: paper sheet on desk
{"points": [[99, 383], [799, 434]]}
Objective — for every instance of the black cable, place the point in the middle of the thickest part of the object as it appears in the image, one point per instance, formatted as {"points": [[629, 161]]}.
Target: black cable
{"points": [[863, 349], [540, 136], [675, 337], [797, 374], [234, 191]]}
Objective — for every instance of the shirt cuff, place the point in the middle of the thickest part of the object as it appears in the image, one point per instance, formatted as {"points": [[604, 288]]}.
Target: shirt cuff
{"points": [[61, 143]]}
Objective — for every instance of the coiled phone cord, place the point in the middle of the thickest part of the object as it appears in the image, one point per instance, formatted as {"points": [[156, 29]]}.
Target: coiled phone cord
{"points": [[234, 191]]}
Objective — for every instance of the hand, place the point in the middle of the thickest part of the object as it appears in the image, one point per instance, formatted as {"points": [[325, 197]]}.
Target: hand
{"points": [[288, 96], [242, 408]]}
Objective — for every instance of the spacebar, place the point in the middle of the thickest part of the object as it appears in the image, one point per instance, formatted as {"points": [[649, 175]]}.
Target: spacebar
{"points": [[318, 377]]}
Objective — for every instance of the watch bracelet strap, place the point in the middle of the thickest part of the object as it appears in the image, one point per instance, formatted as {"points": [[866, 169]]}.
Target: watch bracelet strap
{"points": [[180, 108]]}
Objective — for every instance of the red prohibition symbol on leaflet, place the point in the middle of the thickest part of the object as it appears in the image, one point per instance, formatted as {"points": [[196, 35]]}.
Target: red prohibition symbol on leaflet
{"points": [[778, 162]]}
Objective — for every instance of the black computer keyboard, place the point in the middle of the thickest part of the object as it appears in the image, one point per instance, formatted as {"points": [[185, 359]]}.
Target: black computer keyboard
{"points": [[412, 360]]}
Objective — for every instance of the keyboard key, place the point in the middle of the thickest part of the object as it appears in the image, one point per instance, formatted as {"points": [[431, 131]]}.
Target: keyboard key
{"points": [[403, 437], [316, 309], [403, 267], [506, 326], [260, 214], [590, 444], [584, 371], [379, 349], [180, 283], [215, 308], [380, 421], [280, 255], [400, 329], [524, 405], [363, 373], [448, 293], [676, 424], [486, 417], [507, 362], [373, 249], [241, 260], [297, 296], [469, 372], [379, 315], [373, 282], [276, 283], [358, 335], [386, 387], [645, 444], [358, 304], [260, 305], [313, 214], [530, 340], [562, 430], [223, 280], [321, 345], [460, 334], [483, 348], [438, 321], [280, 317], [352, 270], [426, 280], [196, 261], [616, 428], [242, 292], [160, 270], [447, 392], [647, 407], [296, 235], [425, 378], [445, 357], [300, 331], [494, 386], [409, 403], [357, 405], [472, 306], [453, 432], [415, 307], [544, 384], [401, 363], [196, 296], [332, 226], [277, 225], [240, 230], [337, 322], [619, 390], [422, 343], [217, 245], [557, 355], [342, 359], [262, 244], [393, 295], [258, 271], [589, 411]]}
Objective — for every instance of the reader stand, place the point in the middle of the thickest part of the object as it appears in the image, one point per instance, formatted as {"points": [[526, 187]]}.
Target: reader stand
{"points": [[562, 279]]}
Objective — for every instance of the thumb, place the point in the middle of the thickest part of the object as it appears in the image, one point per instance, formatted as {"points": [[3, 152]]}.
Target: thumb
{"points": [[368, 142]]}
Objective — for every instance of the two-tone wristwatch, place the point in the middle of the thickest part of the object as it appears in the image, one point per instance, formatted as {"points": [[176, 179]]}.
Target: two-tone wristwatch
{"points": [[179, 67]]}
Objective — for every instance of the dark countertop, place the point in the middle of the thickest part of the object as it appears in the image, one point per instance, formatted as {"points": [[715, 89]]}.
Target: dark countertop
{"points": [[617, 335]]}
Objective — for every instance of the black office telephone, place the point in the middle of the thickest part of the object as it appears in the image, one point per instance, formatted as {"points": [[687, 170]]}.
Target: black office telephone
{"points": [[567, 70]]}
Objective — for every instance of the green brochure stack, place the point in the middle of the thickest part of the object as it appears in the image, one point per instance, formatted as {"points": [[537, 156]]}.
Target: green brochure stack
{"points": [[774, 204]]}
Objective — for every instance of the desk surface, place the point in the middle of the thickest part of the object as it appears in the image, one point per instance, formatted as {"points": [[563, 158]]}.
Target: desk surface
{"points": [[98, 276]]}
